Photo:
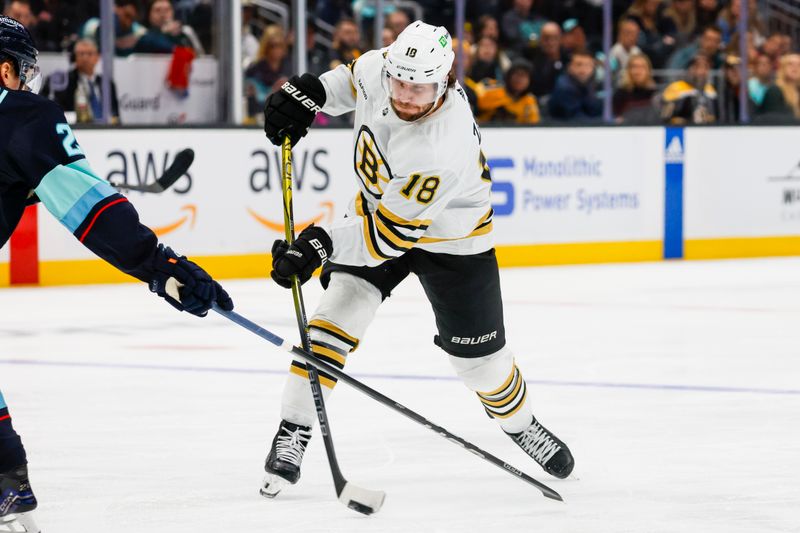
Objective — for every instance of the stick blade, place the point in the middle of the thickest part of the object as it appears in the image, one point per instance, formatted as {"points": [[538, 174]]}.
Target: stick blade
{"points": [[363, 500]]}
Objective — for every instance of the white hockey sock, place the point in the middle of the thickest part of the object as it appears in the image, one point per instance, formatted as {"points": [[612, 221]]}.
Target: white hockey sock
{"points": [[499, 386], [346, 309]]}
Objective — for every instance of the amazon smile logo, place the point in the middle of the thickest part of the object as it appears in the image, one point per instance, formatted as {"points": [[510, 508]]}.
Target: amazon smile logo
{"points": [[326, 215], [189, 217]]}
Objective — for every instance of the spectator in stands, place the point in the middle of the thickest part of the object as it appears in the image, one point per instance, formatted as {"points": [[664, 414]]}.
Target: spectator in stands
{"points": [[707, 12], [782, 99], [519, 26], [728, 21], [574, 96], [625, 47], [330, 11], [693, 99], [572, 37], [249, 40], [488, 27], [388, 36], [657, 32], [547, 59], [512, 102], [346, 43], [470, 86], [772, 48], [487, 63], [730, 108], [81, 91], [761, 79], [21, 11], [684, 15], [273, 64], [164, 32], [708, 44], [397, 21], [127, 30], [636, 91]]}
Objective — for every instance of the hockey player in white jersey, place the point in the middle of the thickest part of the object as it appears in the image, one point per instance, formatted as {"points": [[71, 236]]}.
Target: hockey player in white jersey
{"points": [[424, 206]]}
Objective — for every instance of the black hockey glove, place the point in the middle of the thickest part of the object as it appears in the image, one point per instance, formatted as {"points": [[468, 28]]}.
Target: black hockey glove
{"points": [[308, 252], [291, 110], [184, 285]]}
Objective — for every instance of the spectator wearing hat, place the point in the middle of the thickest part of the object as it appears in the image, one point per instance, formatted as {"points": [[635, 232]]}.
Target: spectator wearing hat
{"points": [[572, 37], [547, 59], [693, 99], [511, 102], [574, 96], [708, 44], [730, 108], [636, 90]]}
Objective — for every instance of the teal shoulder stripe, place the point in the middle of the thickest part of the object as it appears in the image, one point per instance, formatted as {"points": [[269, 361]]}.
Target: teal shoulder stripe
{"points": [[2, 401], [69, 192], [3, 94], [78, 213]]}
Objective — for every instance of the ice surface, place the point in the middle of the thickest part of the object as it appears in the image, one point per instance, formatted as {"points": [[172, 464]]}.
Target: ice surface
{"points": [[675, 385]]}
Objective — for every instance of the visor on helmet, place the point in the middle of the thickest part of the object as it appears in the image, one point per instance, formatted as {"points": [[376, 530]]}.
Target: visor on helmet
{"points": [[30, 77], [406, 92]]}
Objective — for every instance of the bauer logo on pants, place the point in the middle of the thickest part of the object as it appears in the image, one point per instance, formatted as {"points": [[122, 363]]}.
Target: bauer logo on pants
{"points": [[474, 340]]}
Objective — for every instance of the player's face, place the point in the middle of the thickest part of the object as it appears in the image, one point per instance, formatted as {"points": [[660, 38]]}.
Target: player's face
{"points": [[411, 100]]}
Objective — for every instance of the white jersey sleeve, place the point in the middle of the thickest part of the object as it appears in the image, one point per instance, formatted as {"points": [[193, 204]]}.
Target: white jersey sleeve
{"points": [[340, 93]]}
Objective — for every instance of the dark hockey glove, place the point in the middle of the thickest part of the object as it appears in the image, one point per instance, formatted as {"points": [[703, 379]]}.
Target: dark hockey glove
{"points": [[308, 252], [184, 285], [291, 110]]}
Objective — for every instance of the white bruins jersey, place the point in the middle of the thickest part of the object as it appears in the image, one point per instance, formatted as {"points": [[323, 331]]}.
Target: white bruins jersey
{"points": [[423, 184]]}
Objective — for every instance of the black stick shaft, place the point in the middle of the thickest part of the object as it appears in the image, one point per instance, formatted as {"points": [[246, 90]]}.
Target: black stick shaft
{"points": [[385, 400], [302, 323]]}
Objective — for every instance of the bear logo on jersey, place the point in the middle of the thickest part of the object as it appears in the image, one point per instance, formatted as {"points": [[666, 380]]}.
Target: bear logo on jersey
{"points": [[370, 165]]}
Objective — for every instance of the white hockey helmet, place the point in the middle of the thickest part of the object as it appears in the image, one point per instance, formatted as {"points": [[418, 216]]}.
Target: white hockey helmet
{"points": [[422, 54]]}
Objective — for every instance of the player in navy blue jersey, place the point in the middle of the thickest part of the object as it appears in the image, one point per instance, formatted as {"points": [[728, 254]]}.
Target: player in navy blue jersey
{"points": [[40, 160]]}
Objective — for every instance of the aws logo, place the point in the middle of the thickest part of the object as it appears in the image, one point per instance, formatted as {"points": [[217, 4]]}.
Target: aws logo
{"points": [[187, 220], [325, 215], [502, 191]]}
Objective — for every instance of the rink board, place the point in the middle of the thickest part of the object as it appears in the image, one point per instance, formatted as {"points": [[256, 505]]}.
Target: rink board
{"points": [[560, 195]]}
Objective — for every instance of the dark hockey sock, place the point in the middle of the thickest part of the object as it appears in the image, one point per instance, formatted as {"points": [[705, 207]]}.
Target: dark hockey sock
{"points": [[12, 454]]}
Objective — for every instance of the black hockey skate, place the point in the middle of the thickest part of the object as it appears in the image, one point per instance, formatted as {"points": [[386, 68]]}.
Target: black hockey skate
{"points": [[283, 462], [17, 501], [546, 449]]}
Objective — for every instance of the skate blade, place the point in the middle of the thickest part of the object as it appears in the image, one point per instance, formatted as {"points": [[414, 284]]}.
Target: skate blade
{"points": [[19, 523], [272, 485]]}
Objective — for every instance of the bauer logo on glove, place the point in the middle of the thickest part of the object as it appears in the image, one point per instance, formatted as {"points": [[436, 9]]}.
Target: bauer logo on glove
{"points": [[311, 250]]}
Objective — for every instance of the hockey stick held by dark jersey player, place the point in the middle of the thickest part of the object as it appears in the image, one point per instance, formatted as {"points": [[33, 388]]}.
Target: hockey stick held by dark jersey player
{"points": [[39, 155]]}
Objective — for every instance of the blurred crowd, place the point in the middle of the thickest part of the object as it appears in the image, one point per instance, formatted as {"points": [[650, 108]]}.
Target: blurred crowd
{"points": [[532, 61], [523, 61]]}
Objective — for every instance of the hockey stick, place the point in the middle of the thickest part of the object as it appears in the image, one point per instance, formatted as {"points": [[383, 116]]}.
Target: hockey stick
{"points": [[385, 400], [183, 160], [359, 499]]}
